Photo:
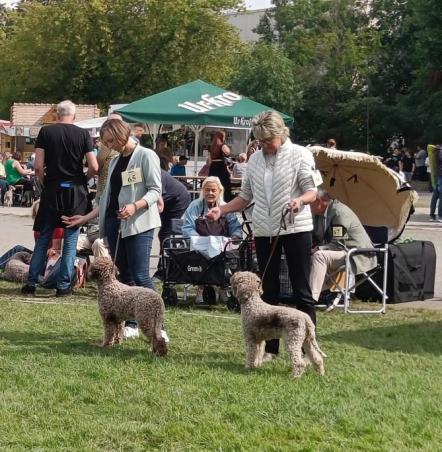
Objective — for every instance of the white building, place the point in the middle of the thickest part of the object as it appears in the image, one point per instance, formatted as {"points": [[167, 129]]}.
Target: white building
{"points": [[246, 22]]}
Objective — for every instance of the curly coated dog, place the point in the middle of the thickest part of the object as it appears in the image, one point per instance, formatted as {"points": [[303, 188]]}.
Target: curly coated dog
{"points": [[261, 321], [118, 302], [17, 268]]}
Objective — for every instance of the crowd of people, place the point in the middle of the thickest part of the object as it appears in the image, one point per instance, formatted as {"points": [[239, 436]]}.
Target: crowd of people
{"points": [[417, 165], [407, 163]]}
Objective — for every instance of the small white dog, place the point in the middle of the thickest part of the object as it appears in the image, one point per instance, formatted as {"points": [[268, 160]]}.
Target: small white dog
{"points": [[9, 197]]}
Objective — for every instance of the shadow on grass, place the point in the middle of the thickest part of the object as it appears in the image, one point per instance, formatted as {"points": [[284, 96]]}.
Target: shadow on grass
{"points": [[53, 344], [47, 343], [415, 338], [49, 294]]}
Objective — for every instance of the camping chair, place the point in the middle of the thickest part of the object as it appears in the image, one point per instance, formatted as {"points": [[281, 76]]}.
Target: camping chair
{"points": [[344, 282]]}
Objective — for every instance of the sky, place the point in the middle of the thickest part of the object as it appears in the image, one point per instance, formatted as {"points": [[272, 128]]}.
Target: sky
{"points": [[251, 4]]}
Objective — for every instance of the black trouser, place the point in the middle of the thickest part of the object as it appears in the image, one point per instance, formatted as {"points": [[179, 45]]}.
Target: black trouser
{"points": [[297, 250], [27, 184]]}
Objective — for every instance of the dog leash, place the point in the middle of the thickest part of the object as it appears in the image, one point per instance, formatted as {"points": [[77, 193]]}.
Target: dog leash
{"points": [[282, 225], [116, 246]]}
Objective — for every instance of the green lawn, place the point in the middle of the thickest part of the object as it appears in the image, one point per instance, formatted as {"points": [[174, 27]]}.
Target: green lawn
{"points": [[59, 391]]}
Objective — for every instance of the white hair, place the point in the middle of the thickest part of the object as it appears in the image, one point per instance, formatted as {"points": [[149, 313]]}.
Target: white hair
{"points": [[213, 180], [66, 108], [323, 195]]}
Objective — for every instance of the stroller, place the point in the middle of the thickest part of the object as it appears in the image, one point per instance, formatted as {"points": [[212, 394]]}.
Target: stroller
{"points": [[189, 267]]}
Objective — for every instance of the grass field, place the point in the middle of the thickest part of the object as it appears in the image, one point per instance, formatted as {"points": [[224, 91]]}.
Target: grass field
{"points": [[59, 391]]}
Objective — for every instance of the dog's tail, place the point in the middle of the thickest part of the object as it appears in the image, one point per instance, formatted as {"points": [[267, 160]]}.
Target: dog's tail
{"points": [[311, 337]]}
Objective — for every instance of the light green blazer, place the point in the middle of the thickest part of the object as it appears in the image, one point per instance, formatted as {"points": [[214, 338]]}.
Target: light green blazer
{"points": [[148, 189]]}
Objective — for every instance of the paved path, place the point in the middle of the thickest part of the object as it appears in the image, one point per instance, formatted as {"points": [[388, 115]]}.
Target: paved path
{"points": [[16, 229]]}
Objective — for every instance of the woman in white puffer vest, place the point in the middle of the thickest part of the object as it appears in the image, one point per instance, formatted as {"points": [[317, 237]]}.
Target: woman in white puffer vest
{"points": [[281, 175]]}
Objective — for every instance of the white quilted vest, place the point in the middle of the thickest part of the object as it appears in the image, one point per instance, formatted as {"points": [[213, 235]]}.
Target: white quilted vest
{"points": [[266, 217]]}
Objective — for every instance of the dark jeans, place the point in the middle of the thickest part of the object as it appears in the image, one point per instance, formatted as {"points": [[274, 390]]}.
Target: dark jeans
{"points": [[436, 199], [421, 173], [4, 186], [67, 263], [133, 254], [297, 250]]}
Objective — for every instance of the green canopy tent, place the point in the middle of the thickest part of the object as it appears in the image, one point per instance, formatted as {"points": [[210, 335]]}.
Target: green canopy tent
{"points": [[197, 104]]}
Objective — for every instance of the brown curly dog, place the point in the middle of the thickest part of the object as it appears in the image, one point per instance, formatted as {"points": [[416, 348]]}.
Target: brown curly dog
{"points": [[17, 268], [118, 302], [261, 321]]}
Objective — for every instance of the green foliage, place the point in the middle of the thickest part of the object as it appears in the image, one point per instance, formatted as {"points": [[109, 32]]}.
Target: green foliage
{"points": [[97, 51], [361, 71], [365, 70], [267, 76], [60, 391]]}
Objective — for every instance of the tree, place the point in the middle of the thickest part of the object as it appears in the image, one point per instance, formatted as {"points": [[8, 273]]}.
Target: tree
{"points": [[96, 51], [330, 45], [267, 76], [408, 74]]}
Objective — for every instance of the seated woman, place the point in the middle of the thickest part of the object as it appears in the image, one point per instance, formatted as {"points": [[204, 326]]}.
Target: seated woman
{"points": [[16, 174], [211, 196]]}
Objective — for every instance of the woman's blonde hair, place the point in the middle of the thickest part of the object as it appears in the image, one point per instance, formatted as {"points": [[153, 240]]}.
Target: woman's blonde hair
{"points": [[268, 125], [117, 129], [213, 180]]}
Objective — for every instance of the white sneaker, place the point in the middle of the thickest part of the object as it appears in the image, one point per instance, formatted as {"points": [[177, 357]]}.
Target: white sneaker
{"points": [[131, 332], [165, 336]]}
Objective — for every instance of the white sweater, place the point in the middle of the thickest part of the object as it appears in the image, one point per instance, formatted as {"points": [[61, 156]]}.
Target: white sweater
{"points": [[292, 176]]}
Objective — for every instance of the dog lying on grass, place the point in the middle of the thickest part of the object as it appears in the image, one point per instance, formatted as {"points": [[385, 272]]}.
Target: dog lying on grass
{"points": [[118, 302], [261, 321], [17, 268]]}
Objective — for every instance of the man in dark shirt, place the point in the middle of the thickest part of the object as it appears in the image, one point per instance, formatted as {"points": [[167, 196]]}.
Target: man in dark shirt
{"points": [[59, 152], [393, 160]]}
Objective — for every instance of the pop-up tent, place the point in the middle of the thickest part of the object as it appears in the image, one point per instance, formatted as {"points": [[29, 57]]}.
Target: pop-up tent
{"points": [[197, 104]]}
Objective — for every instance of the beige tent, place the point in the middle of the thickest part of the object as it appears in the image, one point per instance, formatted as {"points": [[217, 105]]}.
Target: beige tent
{"points": [[375, 193]]}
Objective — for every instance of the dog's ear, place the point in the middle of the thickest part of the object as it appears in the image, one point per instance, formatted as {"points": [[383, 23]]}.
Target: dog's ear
{"points": [[255, 283]]}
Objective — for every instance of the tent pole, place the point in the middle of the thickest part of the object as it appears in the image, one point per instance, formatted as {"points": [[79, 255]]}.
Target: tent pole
{"points": [[153, 132], [196, 130]]}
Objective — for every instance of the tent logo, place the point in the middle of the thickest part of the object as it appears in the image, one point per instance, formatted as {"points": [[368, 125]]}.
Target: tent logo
{"points": [[208, 102], [242, 121]]}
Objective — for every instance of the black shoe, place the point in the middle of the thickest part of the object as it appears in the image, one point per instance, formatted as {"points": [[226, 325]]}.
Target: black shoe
{"points": [[63, 292], [28, 290], [158, 275]]}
